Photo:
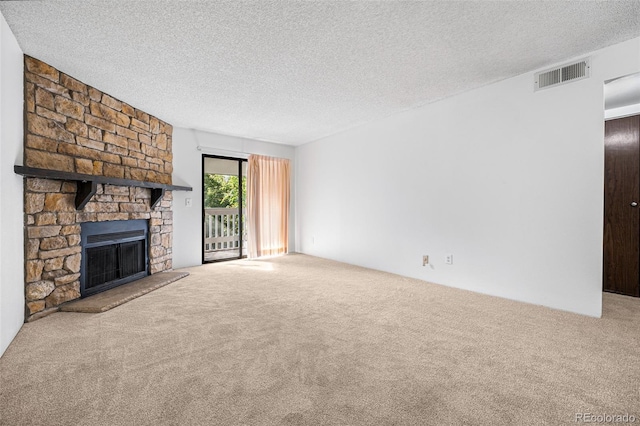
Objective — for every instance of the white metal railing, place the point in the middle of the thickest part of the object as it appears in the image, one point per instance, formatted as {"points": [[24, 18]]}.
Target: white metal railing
{"points": [[222, 229]]}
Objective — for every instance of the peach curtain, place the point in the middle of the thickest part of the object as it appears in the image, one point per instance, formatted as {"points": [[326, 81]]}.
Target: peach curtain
{"points": [[268, 192]]}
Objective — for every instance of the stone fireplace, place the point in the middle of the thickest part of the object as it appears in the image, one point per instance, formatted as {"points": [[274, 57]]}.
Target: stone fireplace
{"points": [[88, 158]]}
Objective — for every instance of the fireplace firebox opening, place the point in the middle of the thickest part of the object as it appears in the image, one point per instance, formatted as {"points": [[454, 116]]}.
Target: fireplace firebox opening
{"points": [[113, 253]]}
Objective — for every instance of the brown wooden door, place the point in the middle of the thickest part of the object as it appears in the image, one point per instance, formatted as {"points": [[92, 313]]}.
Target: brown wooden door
{"points": [[621, 268]]}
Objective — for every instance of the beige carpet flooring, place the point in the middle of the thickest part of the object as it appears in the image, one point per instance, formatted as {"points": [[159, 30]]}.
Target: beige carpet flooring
{"points": [[298, 340]]}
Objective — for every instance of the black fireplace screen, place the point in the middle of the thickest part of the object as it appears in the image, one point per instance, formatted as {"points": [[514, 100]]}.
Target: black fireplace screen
{"points": [[112, 262], [113, 253]]}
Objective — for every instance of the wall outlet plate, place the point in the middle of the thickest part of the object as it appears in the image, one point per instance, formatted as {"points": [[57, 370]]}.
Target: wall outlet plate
{"points": [[448, 259]]}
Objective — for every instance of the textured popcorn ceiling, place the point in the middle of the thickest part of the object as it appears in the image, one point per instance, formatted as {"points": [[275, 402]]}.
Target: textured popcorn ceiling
{"points": [[292, 72]]}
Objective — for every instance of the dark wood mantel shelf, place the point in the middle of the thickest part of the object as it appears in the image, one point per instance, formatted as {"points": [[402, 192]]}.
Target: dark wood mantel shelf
{"points": [[88, 184]]}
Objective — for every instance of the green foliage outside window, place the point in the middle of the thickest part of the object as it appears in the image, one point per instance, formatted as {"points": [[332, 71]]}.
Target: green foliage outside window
{"points": [[222, 191]]}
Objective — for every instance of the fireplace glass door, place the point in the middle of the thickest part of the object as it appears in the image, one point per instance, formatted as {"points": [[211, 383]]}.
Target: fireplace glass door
{"points": [[113, 262], [113, 253]]}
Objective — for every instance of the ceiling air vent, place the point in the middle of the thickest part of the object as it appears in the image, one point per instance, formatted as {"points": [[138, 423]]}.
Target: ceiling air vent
{"points": [[563, 74]]}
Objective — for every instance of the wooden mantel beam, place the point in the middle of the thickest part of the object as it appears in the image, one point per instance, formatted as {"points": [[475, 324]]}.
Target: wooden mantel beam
{"points": [[88, 184]]}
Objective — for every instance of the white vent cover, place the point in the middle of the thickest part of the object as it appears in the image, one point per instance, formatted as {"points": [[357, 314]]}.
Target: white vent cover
{"points": [[567, 73]]}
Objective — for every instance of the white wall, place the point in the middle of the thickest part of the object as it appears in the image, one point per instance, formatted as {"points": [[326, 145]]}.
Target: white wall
{"points": [[11, 195], [622, 97], [507, 180], [187, 170], [624, 111]]}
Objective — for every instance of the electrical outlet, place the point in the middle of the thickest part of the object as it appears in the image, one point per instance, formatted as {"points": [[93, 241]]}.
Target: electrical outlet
{"points": [[448, 259], [425, 260]]}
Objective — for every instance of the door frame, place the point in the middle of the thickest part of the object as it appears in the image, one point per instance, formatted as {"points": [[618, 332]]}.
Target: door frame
{"points": [[614, 113], [606, 249], [240, 206]]}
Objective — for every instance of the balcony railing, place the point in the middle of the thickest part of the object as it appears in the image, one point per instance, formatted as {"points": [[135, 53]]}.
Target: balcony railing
{"points": [[222, 230]]}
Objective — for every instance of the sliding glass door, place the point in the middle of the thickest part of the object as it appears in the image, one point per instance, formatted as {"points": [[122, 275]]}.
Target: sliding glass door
{"points": [[224, 193]]}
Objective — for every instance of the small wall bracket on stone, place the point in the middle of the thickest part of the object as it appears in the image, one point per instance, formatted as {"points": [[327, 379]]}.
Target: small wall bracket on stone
{"points": [[86, 190], [156, 196], [88, 184]]}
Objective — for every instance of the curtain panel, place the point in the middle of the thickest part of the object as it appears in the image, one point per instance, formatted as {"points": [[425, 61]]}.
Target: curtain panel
{"points": [[268, 193]]}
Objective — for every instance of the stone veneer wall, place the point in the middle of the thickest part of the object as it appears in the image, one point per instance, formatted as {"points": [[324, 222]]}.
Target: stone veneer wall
{"points": [[53, 235], [72, 127]]}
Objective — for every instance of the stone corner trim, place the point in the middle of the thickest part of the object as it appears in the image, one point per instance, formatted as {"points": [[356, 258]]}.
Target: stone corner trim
{"points": [[73, 127]]}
